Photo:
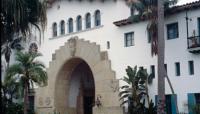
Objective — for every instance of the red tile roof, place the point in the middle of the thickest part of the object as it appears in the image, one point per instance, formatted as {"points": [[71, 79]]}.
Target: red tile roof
{"points": [[188, 6], [173, 10]]}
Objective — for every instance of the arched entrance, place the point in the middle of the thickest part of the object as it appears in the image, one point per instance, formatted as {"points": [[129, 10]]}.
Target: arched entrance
{"points": [[67, 83], [81, 89], [75, 88]]}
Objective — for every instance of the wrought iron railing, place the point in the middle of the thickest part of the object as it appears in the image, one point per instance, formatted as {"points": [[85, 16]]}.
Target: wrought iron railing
{"points": [[193, 42]]}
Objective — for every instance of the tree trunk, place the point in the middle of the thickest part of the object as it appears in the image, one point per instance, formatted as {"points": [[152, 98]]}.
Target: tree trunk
{"points": [[4, 100], [25, 98], [1, 97], [161, 55], [147, 91]]}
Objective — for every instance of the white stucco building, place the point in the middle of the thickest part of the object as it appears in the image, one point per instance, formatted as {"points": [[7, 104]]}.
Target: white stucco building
{"points": [[105, 23], [127, 44]]}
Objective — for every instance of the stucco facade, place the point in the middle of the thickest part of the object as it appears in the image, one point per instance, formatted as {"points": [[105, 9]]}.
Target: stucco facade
{"points": [[109, 65]]}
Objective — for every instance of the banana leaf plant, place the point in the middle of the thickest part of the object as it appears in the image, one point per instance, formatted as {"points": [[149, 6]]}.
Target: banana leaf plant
{"points": [[135, 92]]}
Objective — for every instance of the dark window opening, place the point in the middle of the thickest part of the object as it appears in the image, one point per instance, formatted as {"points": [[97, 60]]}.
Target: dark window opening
{"points": [[62, 28], [177, 69], [79, 23], [191, 67], [165, 67], [152, 70], [199, 25], [97, 18], [168, 104], [172, 31], [70, 25], [54, 30], [88, 20], [108, 45], [197, 97], [129, 40]]}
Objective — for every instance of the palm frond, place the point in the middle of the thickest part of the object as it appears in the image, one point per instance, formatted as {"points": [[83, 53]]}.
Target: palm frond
{"points": [[124, 92], [131, 73], [124, 96], [124, 87], [127, 80], [126, 101], [35, 55], [38, 75], [20, 14], [38, 64], [13, 70]]}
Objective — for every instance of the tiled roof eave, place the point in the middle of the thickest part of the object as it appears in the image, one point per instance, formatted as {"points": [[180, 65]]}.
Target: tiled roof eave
{"points": [[171, 11]]}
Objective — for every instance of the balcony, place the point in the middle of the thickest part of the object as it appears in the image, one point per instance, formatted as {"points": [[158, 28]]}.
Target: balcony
{"points": [[194, 44]]}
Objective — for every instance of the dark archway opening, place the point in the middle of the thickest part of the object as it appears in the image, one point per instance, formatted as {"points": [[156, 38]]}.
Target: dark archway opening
{"points": [[82, 89]]}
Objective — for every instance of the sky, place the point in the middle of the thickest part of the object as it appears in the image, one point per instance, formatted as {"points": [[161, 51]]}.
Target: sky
{"points": [[185, 1]]}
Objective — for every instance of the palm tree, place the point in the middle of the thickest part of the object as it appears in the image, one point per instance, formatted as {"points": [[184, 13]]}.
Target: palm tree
{"points": [[153, 10], [28, 71], [17, 17], [161, 59]]}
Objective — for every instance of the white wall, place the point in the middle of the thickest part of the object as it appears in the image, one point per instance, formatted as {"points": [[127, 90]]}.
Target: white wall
{"points": [[120, 56]]}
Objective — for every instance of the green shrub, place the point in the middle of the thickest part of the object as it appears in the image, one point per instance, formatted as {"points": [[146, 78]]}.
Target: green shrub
{"points": [[196, 108]]}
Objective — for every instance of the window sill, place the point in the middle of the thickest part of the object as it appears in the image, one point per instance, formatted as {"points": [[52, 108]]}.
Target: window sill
{"points": [[129, 46], [77, 32], [172, 38]]}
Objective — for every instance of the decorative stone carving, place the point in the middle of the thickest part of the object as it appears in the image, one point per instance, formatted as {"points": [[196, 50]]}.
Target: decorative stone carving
{"points": [[40, 101], [72, 45], [33, 48], [114, 85], [48, 101], [98, 101]]}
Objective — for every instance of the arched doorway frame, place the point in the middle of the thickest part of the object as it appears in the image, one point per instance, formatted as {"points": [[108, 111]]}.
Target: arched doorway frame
{"points": [[60, 69]]}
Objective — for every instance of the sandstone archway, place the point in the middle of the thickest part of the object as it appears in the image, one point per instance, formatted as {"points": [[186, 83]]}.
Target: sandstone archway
{"points": [[54, 96]]}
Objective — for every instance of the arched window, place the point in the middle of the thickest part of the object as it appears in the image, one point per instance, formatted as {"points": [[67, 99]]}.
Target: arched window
{"points": [[62, 27], [97, 17], [54, 29], [79, 23], [88, 21], [70, 25], [33, 48]]}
